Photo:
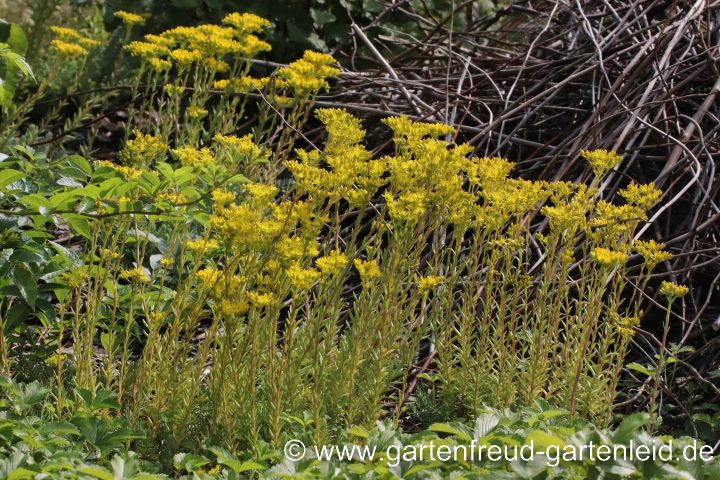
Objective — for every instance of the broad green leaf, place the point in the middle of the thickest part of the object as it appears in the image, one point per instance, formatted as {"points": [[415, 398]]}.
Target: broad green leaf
{"points": [[8, 176], [26, 284]]}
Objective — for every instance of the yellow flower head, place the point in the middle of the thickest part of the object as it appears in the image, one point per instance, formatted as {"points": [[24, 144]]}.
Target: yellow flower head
{"points": [[146, 50], [65, 33], [246, 22], [231, 308], [185, 58], [107, 254], [261, 192], [196, 112], [135, 275], [173, 90], [195, 157], [308, 75], [259, 300], [368, 270], [331, 263], [601, 161], [67, 49], [608, 258], [200, 246], [160, 65], [427, 283], [222, 197], [144, 148], [672, 290], [209, 277], [302, 278], [642, 196], [652, 252], [129, 18]]}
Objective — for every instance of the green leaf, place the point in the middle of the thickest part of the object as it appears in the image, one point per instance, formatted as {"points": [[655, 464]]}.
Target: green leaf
{"points": [[26, 285], [650, 372], [9, 176], [79, 224], [457, 430]]}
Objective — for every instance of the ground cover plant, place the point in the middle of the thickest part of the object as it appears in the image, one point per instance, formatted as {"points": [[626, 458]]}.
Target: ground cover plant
{"points": [[199, 265]]}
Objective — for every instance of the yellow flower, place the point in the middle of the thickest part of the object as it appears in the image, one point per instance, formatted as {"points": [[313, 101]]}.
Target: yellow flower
{"points": [[230, 308], [144, 148], [672, 290], [196, 112], [200, 246], [246, 22], [222, 197], [601, 161], [197, 158], [260, 192], [172, 197], [173, 90], [607, 257], [88, 42], [167, 261], [127, 172], [331, 263], [407, 207], [65, 33], [221, 84], [185, 57], [209, 277], [652, 252], [75, 277], [260, 300], [642, 196], [159, 40], [302, 278], [135, 275], [427, 283], [368, 270], [68, 49], [308, 75], [107, 254], [129, 18], [241, 145], [146, 50], [160, 65]]}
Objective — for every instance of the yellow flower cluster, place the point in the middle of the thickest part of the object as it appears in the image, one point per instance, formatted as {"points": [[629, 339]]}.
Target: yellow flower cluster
{"points": [[652, 252], [427, 283], [608, 258], [642, 196], [195, 157], [352, 174], [308, 75], [172, 197], [302, 278], [332, 263], [368, 270], [207, 43], [129, 173], [201, 246], [242, 146], [129, 18], [672, 290], [70, 43], [143, 149], [135, 275], [625, 325], [196, 112], [601, 161]]}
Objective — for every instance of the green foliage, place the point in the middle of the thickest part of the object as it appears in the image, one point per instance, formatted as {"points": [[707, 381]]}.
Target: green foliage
{"points": [[13, 45]]}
